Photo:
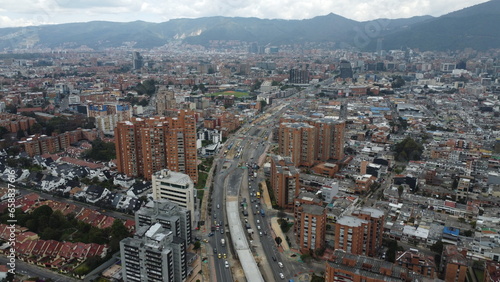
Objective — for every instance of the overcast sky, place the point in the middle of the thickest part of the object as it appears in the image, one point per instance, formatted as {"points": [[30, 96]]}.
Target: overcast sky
{"points": [[38, 12]]}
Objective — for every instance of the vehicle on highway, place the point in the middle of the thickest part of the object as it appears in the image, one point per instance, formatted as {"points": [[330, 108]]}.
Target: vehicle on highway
{"points": [[222, 231], [282, 276], [218, 206], [260, 234], [220, 255], [258, 227], [226, 264], [225, 256], [223, 242], [258, 221], [274, 258], [215, 250], [210, 234], [280, 264]]}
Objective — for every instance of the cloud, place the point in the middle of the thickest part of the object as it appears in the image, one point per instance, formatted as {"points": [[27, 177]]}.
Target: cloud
{"points": [[21, 12]]}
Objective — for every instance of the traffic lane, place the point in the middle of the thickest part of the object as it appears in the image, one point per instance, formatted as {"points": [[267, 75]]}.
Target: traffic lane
{"points": [[34, 271]]}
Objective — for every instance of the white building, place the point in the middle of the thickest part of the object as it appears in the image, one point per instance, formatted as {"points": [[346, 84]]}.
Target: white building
{"points": [[174, 186]]}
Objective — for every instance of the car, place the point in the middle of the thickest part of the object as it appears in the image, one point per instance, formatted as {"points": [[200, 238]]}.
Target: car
{"points": [[258, 227], [258, 221], [215, 215], [226, 263], [222, 231], [225, 256], [210, 234], [205, 240], [218, 206], [265, 232], [215, 250], [282, 276], [280, 264], [260, 234], [220, 255], [274, 258]]}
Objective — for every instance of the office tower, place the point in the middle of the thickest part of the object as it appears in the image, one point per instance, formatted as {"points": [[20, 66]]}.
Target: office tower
{"points": [[350, 267], [174, 186], [298, 76], [297, 140], [284, 181], [376, 219], [145, 146], [310, 225], [165, 100], [170, 215], [137, 61], [153, 254], [345, 69]]}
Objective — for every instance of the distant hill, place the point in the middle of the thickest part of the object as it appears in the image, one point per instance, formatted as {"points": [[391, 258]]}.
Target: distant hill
{"points": [[475, 27]]}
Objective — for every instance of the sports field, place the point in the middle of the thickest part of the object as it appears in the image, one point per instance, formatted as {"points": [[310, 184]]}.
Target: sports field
{"points": [[236, 94]]}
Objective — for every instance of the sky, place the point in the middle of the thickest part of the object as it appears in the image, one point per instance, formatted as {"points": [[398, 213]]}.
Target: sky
{"points": [[14, 13]]}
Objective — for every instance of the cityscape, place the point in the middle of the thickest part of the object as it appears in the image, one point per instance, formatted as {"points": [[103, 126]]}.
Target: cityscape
{"points": [[247, 149]]}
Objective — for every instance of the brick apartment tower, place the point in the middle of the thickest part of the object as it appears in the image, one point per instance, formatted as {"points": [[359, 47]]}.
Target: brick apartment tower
{"points": [[284, 181], [297, 141], [311, 223], [351, 235], [329, 136], [147, 145], [376, 218], [454, 264]]}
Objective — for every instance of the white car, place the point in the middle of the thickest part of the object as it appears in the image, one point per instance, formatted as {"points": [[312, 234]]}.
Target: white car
{"points": [[282, 276], [280, 264], [226, 263], [258, 221]]}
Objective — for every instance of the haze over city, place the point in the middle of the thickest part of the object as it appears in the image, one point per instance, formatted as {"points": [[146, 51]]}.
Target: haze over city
{"points": [[28, 13]]}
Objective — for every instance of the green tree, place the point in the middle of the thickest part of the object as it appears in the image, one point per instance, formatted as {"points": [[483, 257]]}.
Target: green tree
{"points": [[437, 247], [408, 149], [278, 240], [197, 245], [316, 278]]}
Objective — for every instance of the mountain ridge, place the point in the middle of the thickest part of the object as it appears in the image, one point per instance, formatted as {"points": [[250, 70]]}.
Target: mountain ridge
{"points": [[472, 27]]}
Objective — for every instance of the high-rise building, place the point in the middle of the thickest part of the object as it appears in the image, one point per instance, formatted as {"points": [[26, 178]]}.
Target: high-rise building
{"points": [[298, 76], [174, 186], [351, 235], [350, 267], [170, 215], [454, 264], [345, 69], [165, 100], [376, 219], [310, 225], [153, 254], [137, 61], [145, 146], [297, 140], [328, 136], [284, 181]]}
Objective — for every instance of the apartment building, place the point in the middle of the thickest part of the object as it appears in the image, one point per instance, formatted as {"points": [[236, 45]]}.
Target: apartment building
{"points": [[351, 235], [145, 146], [174, 186], [284, 181], [351, 267], [376, 219], [310, 225], [454, 264], [153, 254], [297, 141], [417, 262], [171, 216]]}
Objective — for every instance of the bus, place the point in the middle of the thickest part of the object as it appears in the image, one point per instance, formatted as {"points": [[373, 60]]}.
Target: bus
{"points": [[258, 195]]}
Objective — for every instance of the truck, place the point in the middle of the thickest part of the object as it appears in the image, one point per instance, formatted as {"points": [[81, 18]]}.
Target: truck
{"points": [[223, 242], [262, 212]]}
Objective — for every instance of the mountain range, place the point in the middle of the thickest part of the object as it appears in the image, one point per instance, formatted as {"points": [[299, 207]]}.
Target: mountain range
{"points": [[473, 27]]}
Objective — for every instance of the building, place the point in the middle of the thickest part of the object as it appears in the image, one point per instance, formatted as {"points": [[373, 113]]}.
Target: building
{"points": [[284, 181], [329, 136], [351, 235], [345, 69], [137, 61], [171, 216], [376, 218], [417, 262], [145, 146], [350, 267], [298, 76], [310, 226], [297, 141], [174, 186], [165, 100], [454, 264], [14, 123], [153, 254]]}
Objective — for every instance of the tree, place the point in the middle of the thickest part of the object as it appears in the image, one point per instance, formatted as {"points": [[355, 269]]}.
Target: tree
{"points": [[278, 240], [316, 278], [408, 149], [400, 191], [197, 245], [437, 247]]}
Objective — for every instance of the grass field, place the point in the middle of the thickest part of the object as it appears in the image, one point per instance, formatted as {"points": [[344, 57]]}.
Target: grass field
{"points": [[235, 93]]}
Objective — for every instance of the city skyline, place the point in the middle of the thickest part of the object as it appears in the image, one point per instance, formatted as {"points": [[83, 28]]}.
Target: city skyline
{"points": [[18, 13]]}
